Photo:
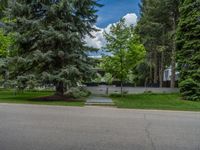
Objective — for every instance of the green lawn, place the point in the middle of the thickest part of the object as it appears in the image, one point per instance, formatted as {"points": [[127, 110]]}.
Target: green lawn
{"points": [[155, 101], [26, 98]]}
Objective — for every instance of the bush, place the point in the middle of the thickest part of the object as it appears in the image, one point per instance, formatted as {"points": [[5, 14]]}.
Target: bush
{"points": [[77, 92], [190, 90]]}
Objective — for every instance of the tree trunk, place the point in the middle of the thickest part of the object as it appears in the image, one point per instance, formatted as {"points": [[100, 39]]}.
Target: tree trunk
{"points": [[151, 70], [59, 89], [155, 81], [173, 70], [121, 60], [121, 88], [145, 83], [161, 70], [173, 61], [6, 77]]}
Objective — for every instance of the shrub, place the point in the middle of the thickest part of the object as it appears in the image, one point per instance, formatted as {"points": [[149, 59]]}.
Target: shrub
{"points": [[190, 89], [77, 92]]}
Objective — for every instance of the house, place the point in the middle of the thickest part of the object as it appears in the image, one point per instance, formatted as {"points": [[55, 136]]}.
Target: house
{"points": [[167, 74]]}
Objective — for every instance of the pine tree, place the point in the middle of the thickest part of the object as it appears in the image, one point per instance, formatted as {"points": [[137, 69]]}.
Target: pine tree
{"points": [[173, 16], [157, 27], [49, 45], [189, 49], [152, 29]]}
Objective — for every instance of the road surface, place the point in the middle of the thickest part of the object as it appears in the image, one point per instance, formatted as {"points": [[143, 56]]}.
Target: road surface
{"points": [[32, 127]]}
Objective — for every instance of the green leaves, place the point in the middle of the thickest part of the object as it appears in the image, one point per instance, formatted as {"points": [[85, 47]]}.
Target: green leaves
{"points": [[188, 36], [5, 42], [190, 89], [126, 51]]}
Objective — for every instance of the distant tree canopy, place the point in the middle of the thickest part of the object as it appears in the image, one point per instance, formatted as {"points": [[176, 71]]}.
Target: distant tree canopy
{"points": [[188, 41], [49, 41], [170, 32]]}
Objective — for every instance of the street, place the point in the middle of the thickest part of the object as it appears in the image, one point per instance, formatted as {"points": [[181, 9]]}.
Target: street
{"points": [[34, 127]]}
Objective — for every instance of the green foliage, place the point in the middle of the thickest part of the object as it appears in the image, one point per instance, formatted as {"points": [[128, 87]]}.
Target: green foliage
{"points": [[97, 78], [50, 41], [188, 36], [77, 92], [24, 82], [190, 89], [5, 42], [126, 51], [157, 27], [141, 72], [5, 45], [3, 5], [108, 78]]}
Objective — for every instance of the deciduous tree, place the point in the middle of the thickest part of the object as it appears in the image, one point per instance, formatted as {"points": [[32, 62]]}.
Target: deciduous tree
{"points": [[125, 49]]}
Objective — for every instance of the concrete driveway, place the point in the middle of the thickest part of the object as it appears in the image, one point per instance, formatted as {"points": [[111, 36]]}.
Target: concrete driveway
{"points": [[29, 127]]}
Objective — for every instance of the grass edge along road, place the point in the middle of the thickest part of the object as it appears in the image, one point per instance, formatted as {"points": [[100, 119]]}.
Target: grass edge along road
{"points": [[27, 98], [155, 101], [130, 101]]}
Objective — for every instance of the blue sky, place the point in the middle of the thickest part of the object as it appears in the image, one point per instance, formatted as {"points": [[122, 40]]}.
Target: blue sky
{"points": [[109, 14], [113, 10]]}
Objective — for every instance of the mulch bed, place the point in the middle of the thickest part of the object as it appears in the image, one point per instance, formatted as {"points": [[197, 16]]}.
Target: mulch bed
{"points": [[56, 98]]}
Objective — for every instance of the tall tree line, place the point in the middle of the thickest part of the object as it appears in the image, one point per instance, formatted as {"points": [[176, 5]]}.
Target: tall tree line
{"points": [[170, 31], [157, 28]]}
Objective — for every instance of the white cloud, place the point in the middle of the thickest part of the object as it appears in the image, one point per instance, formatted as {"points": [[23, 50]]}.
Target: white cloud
{"points": [[130, 19], [99, 40]]}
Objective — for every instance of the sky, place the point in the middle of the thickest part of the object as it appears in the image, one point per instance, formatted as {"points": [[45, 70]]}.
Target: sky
{"points": [[113, 10], [109, 14]]}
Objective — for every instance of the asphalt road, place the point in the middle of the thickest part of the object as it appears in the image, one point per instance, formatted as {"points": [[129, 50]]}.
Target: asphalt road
{"points": [[31, 127]]}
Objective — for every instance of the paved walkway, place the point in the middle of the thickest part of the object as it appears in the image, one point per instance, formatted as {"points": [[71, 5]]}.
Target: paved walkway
{"points": [[98, 100]]}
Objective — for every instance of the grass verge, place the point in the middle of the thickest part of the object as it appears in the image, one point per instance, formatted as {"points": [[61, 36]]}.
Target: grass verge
{"points": [[155, 101], [27, 98]]}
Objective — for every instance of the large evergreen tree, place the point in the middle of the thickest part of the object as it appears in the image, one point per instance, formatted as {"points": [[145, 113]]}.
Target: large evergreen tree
{"points": [[49, 45], [189, 49]]}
